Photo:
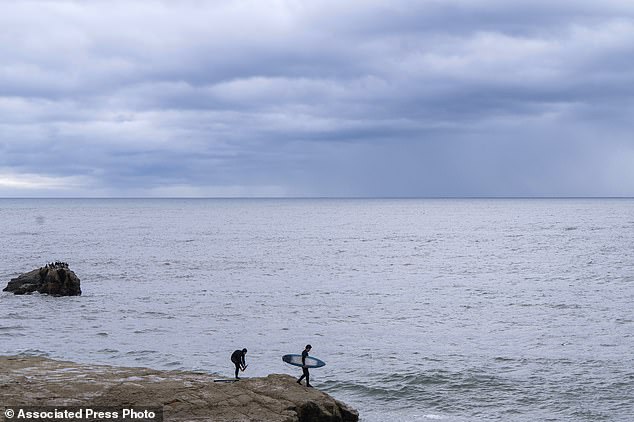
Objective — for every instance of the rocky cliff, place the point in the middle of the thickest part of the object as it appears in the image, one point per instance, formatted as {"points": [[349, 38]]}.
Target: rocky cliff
{"points": [[184, 396]]}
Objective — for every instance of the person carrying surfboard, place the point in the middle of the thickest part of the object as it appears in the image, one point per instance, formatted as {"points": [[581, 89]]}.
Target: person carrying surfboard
{"points": [[305, 374], [237, 357]]}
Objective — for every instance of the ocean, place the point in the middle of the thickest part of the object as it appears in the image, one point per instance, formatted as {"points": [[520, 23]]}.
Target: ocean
{"points": [[423, 309]]}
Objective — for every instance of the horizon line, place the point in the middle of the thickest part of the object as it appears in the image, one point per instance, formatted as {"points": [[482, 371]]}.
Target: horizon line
{"points": [[328, 197]]}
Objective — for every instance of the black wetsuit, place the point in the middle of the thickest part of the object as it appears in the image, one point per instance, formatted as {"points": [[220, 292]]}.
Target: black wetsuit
{"points": [[305, 373], [237, 358]]}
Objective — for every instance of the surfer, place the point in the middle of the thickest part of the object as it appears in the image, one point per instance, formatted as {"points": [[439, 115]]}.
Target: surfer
{"points": [[237, 357], [305, 374]]}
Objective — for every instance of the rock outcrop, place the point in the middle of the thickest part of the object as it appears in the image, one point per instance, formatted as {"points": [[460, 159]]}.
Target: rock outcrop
{"points": [[57, 280], [183, 396]]}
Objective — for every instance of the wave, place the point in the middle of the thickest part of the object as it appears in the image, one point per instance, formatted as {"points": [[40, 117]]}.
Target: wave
{"points": [[441, 390]]}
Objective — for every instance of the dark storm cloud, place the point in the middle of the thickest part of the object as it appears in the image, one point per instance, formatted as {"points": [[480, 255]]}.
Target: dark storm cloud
{"points": [[481, 97]]}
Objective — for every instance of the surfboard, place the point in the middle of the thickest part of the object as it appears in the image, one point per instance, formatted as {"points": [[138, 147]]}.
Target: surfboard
{"points": [[296, 360], [226, 380]]}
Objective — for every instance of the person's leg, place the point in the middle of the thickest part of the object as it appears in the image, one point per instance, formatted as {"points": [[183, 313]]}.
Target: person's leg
{"points": [[237, 369], [307, 378]]}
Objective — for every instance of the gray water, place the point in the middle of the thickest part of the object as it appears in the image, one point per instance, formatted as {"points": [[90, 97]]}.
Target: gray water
{"points": [[452, 310]]}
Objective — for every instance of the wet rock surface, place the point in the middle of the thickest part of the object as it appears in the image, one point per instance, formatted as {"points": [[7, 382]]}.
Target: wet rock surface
{"points": [[184, 396], [56, 280]]}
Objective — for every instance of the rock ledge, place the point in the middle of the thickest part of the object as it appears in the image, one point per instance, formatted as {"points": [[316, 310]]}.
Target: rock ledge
{"points": [[184, 396]]}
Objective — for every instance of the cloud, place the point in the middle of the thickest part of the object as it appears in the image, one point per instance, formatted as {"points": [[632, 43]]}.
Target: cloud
{"points": [[399, 98], [11, 183]]}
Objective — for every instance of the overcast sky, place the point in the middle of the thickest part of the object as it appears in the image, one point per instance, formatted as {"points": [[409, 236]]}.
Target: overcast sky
{"points": [[317, 98]]}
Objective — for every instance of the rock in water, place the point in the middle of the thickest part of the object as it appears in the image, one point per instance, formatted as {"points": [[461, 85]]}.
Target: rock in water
{"points": [[56, 281]]}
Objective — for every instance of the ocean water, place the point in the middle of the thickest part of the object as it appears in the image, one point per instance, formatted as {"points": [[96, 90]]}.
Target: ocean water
{"points": [[450, 310]]}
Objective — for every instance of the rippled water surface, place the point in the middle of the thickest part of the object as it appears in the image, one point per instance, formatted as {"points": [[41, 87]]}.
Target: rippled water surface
{"points": [[454, 310]]}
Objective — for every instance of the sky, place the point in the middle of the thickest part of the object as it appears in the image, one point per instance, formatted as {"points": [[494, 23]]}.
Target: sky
{"points": [[297, 98]]}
